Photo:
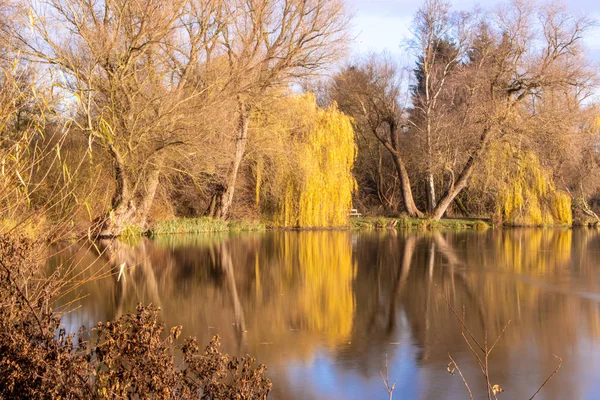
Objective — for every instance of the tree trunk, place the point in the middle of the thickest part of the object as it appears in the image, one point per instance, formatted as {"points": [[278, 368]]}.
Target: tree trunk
{"points": [[147, 197], [462, 180], [214, 208], [430, 185], [449, 196], [393, 148], [240, 148], [129, 207], [122, 189], [407, 196], [461, 207], [430, 193], [117, 219], [123, 207]]}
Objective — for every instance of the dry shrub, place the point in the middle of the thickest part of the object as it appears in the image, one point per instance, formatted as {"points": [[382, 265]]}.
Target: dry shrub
{"points": [[36, 362], [130, 357]]}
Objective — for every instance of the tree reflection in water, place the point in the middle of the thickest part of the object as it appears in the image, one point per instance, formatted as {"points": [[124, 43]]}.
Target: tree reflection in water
{"points": [[322, 309]]}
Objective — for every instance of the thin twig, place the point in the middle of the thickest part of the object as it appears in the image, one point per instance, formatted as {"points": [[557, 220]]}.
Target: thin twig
{"points": [[487, 375], [550, 377], [474, 352], [459, 319], [18, 289], [386, 380], [483, 363], [500, 335], [468, 342], [461, 376]]}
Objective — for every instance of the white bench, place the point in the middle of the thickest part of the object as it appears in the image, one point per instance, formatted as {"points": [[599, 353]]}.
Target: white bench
{"points": [[354, 213]]}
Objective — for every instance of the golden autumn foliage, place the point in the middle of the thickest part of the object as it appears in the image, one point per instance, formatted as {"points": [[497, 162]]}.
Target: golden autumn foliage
{"points": [[326, 300], [316, 271], [527, 193], [312, 183], [543, 251]]}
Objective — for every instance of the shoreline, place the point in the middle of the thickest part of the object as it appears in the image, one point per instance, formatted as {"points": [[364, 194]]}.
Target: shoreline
{"points": [[178, 226], [209, 225]]}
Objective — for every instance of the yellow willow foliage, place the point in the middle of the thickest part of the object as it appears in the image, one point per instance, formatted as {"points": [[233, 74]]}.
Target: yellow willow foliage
{"points": [[315, 182], [325, 299], [526, 252], [561, 208], [562, 245], [535, 251], [528, 195]]}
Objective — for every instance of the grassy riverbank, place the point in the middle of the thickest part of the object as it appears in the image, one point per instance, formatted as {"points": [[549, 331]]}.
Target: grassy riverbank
{"points": [[208, 225], [417, 223], [203, 225]]}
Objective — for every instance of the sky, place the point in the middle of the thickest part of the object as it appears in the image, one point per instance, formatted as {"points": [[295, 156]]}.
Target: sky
{"points": [[380, 25]]}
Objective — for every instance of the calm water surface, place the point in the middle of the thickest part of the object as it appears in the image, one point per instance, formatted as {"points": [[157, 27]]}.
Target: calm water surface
{"points": [[323, 310]]}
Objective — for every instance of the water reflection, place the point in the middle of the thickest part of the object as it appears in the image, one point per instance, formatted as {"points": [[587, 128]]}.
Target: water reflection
{"points": [[323, 309]]}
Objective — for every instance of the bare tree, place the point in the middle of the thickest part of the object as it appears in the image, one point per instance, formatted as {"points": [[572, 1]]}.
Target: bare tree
{"points": [[374, 93], [267, 44], [478, 83], [441, 42], [132, 67], [528, 54]]}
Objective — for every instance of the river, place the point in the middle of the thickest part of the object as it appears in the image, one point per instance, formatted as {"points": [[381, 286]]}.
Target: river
{"points": [[325, 309]]}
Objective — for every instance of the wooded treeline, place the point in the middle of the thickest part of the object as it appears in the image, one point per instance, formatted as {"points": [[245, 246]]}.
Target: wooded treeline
{"points": [[120, 112], [496, 118]]}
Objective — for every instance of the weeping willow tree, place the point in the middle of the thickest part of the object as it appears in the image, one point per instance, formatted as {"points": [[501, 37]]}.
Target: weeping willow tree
{"points": [[526, 193], [310, 184]]}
